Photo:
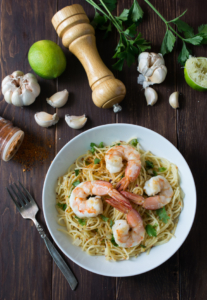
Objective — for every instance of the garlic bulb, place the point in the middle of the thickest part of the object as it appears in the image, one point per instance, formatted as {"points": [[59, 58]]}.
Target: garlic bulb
{"points": [[173, 100], [45, 120], [76, 122], [152, 68], [59, 99], [151, 96], [20, 89]]}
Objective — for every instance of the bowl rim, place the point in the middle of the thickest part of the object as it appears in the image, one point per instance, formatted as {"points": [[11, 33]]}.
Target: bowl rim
{"points": [[59, 245]]}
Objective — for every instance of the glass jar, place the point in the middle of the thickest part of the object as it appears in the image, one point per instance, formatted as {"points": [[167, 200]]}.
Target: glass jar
{"points": [[10, 139]]}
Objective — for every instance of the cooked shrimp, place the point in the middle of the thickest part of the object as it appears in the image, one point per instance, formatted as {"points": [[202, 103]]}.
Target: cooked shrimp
{"points": [[93, 206], [128, 233], [114, 164], [155, 185]]}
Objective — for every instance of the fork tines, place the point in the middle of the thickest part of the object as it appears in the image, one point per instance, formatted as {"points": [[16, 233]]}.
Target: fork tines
{"points": [[18, 196]]}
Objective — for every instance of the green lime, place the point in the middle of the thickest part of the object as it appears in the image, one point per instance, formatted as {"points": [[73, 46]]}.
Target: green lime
{"points": [[47, 59], [195, 73]]}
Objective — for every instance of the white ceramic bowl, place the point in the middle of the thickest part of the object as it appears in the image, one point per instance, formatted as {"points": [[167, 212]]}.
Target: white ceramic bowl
{"points": [[149, 140]]}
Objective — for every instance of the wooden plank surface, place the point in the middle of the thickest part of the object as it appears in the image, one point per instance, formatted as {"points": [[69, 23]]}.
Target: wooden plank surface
{"points": [[26, 269]]}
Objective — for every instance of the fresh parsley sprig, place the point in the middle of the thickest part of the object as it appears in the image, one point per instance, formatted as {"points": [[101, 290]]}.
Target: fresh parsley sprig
{"points": [[130, 45], [188, 32]]}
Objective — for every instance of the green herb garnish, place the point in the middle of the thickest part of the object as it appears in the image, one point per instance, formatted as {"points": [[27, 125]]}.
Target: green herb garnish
{"points": [[186, 30], [162, 169], [162, 214], [96, 161], [105, 219], [111, 223], [149, 164], [92, 145], [77, 172], [134, 142], [82, 222], [129, 45], [154, 173], [76, 183], [113, 242], [143, 246], [151, 231], [63, 206]]}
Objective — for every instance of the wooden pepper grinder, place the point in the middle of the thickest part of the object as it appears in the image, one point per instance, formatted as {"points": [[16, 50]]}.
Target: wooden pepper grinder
{"points": [[72, 25]]}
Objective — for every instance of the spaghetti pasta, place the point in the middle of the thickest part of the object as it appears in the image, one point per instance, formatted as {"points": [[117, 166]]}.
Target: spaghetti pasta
{"points": [[94, 235]]}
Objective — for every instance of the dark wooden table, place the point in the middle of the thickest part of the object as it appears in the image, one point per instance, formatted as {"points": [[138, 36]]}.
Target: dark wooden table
{"points": [[26, 268]]}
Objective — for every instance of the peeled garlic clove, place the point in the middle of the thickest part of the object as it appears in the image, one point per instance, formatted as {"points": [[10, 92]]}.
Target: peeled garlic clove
{"points": [[151, 96], [59, 99], [76, 122], [45, 120], [159, 75], [173, 99]]}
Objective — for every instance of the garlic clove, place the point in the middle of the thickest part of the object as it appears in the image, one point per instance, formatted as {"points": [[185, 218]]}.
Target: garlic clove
{"points": [[16, 98], [76, 122], [17, 74], [58, 99], [45, 120], [7, 96], [159, 75], [173, 100], [151, 96]]}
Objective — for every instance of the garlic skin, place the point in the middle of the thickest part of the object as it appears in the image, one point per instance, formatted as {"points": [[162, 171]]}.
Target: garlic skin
{"points": [[76, 122], [46, 120], [173, 100], [152, 68], [59, 99], [19, 89], [151, 96]]}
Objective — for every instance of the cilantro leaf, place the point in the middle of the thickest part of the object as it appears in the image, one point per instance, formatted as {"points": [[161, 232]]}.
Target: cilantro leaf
{"points": [[113, 242], [111, 223], [105, 219], [135, 14], [134, 142], [162, 214], [162, 169], [63, 206], [92, 145], [101, 145], [110, 4], [143, 246], [154, 173], [195, 40], [96, 161], [118, 65], [99, 20], [184, 55], [76, 183], [151, 231], [149, 164], [184, 28], [108, 29], [124, 15], [82, 222], [131, 31], [77, 172], [168, 42], [203, 30]]}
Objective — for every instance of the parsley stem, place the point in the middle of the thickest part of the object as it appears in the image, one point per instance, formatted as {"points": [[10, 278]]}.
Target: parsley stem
{"points": [[110, 15], [166, 22]]}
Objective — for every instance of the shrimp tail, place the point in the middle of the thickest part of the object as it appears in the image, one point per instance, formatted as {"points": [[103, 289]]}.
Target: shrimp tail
{"points": [[122, 184], [119, 206], [153, 203], [120, 199], [137, 199]]}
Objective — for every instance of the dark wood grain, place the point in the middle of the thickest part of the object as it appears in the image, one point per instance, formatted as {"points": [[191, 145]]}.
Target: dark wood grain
{"points": [[192, 129], [25, 264]]}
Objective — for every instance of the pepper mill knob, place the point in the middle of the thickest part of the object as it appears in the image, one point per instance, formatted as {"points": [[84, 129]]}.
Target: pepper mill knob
{"points": [[72, 25]]}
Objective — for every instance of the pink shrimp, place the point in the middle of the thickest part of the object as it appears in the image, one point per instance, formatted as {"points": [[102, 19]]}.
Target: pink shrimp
{"points": [[93, 206], [128, 233], [114, 164], [153, 186]]}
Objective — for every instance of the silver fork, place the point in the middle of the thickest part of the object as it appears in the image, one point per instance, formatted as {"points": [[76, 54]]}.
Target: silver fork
{"points": [[28, 208]]}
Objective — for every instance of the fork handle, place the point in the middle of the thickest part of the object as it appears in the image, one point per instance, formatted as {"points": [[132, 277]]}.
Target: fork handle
{"points": [[57, 258]]}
